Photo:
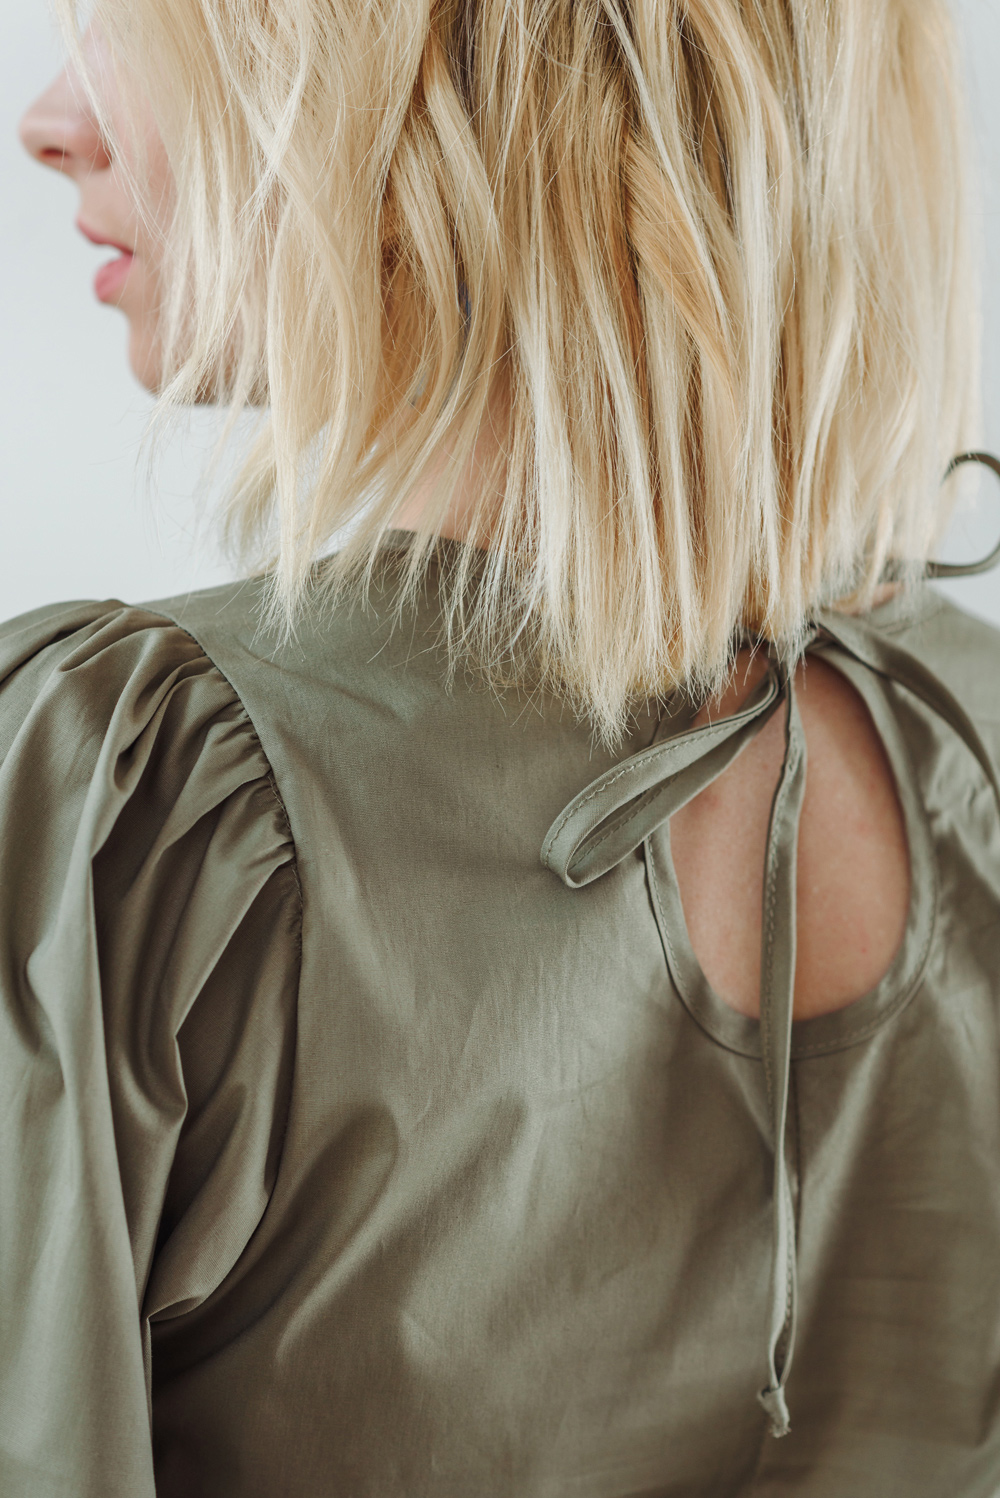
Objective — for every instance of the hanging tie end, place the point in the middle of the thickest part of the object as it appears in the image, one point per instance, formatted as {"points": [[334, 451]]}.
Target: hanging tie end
{"points": [[773, 1401]]}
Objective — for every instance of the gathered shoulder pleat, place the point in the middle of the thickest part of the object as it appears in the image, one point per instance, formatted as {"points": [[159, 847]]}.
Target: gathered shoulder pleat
{"points": [[149, 954]]}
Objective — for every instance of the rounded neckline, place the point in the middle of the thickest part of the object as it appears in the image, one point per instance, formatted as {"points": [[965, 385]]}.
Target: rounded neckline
{"points": [[863, 1016]]}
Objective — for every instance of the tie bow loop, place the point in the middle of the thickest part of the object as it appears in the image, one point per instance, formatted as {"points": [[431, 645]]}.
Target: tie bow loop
{"points": [[615, 814]]}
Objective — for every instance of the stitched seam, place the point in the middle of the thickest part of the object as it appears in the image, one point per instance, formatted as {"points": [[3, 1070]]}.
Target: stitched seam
{"points": [[651, 791], [662, 922], [873, 1025], [908, 989], [781, 1346], [293, 862], [772, 875], [861, 1032], [601, 786], [847, 1037], [620, 826], [674, 965]]}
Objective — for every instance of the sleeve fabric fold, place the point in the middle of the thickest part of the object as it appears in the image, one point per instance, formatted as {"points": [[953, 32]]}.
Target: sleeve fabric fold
{"points": [[149, 950]]}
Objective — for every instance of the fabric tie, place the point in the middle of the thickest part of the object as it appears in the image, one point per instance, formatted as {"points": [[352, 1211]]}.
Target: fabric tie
{"points": [[618, 812]]}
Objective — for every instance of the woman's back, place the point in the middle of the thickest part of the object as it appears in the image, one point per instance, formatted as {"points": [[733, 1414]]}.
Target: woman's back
{"points": [[853, 867], [386, 1108], [459, 1179]]}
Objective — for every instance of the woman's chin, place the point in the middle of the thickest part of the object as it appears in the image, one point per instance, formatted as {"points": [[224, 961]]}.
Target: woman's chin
{"points": [[143, 357]]}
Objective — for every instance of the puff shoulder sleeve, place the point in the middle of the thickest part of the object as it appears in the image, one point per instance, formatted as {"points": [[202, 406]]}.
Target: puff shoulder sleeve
{"points": [[149, 919]]}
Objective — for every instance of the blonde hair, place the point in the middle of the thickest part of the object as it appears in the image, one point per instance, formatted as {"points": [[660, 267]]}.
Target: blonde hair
{"points": [[718, 254]]}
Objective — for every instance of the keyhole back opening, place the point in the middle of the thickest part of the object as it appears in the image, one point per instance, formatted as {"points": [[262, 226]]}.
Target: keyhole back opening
{"points": [[854, 878]]}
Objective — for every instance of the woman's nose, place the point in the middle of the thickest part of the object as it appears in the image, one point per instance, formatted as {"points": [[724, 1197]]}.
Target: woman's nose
{"points": [[59, 129]]}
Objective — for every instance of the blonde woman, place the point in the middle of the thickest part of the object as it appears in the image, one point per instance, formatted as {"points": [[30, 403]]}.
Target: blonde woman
{"points": [[504, 998]]}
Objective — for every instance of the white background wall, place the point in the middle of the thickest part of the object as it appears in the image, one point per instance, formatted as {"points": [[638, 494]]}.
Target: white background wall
{"points": [[79, 519]]}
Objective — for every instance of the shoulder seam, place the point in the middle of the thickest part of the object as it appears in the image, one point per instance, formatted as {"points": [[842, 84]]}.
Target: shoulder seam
{"points": [[283, 814], [271, 777]]}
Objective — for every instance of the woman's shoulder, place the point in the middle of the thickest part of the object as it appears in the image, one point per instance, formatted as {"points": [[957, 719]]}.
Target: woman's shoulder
{"points": [[138, 815], [943, 661], [92, 657], [108, 708], [960, 647]]}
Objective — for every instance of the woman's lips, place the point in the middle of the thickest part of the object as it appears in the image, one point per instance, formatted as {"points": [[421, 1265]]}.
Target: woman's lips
{"points": [[112, 277]]}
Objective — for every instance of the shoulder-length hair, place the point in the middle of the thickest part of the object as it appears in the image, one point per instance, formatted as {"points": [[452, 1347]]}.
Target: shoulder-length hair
{"points": [[717, 253]]}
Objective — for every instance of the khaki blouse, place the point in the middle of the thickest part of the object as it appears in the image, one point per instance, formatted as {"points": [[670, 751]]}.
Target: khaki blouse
{"points": [[370, 1130]]}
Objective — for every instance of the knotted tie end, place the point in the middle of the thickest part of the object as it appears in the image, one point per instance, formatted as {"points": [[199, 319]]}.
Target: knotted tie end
{"points": [[773, 1401]]}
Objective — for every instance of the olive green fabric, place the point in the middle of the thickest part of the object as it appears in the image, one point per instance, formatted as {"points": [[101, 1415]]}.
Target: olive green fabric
{"points": [[368, 1118]]}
